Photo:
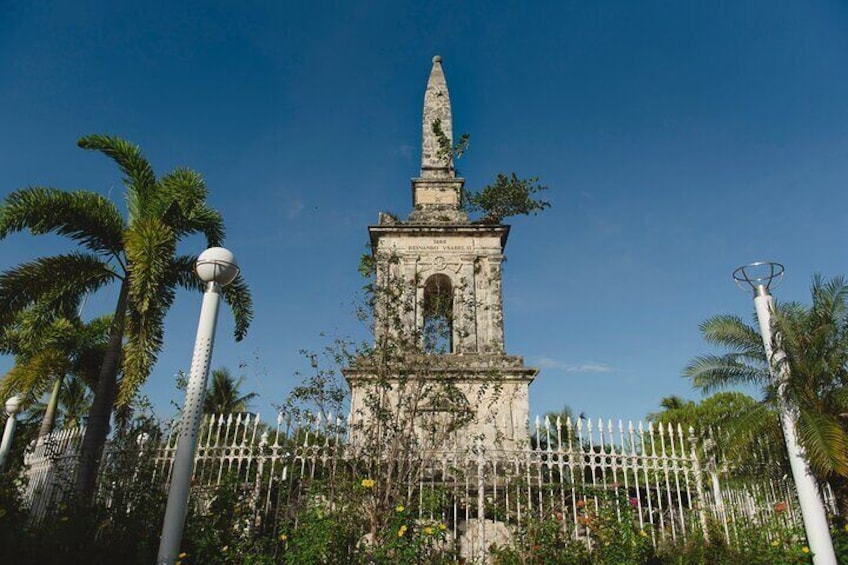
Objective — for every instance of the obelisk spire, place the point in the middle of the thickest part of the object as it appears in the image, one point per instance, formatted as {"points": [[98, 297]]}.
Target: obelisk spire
{"points": [[436, 193], [436, 161]]}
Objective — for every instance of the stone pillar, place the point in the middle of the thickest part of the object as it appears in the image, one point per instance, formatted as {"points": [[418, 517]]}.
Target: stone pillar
{"points": [[466, 318], [496, 327]]}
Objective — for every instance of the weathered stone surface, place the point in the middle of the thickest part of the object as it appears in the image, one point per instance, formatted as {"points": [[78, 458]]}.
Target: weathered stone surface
{"points": [[436, 194], [439, 248], [437, 108], [477, 536]]}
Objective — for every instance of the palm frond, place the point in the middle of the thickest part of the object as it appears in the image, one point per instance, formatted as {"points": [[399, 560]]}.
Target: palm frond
{"points": [[182, 273], [150, 245], [732, 333], [83, 216], [223, 394], [825, 443], [139, 176], [185, 193], [752, 438], [207, 221], [237, 295], [830, 297], [712, 372], [57, 282], [34, 375], [144, 339], [184, 185]]}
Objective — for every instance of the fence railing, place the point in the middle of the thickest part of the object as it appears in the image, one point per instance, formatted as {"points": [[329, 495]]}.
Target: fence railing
{"points": [[657, 475]]}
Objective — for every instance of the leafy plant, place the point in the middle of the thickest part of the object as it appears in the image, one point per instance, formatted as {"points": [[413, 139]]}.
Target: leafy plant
{"points": [[508, 196]]}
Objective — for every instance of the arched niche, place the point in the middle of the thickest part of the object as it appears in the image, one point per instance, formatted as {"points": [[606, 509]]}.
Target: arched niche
{"points": [[437, 314]]}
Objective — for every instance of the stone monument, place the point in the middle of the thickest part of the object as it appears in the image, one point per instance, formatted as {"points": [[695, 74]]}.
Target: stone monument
{"points": [[440, 273]]}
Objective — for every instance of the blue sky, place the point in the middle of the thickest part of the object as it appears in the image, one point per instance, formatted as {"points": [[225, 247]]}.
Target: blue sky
{"points": [[679, 140]]}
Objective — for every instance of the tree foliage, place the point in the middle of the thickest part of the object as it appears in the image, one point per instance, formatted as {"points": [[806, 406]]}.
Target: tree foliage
{"points": [[139, 252], [223, 395], [814, 339], [507, 196]]}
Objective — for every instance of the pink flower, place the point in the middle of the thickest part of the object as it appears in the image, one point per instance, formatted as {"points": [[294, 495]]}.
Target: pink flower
{"points": [[634, 502]]}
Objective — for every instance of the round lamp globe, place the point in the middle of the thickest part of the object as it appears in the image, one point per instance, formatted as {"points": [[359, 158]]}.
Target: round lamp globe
{"points": [[13, 404], [217, 264]]}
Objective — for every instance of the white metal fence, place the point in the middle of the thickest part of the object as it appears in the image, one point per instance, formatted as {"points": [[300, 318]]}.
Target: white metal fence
{"points": [[661, 477]]}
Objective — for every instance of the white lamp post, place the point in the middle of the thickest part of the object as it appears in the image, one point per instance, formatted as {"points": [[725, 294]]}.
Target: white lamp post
{"points": [[217, 268], [13, 404], [759, 277]]}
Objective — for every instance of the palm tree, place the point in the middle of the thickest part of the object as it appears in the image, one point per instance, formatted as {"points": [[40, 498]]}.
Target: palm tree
{"points": [[223, 395], [675, 410], [815, 340], [72, 406], [139, 252], [48, 347], [563, 433]]}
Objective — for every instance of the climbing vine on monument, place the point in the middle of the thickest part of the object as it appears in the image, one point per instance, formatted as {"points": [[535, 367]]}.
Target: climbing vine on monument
{"points": [[510, 195]]}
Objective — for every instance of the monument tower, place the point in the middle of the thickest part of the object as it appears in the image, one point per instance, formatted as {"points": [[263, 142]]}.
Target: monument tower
{"points": [[440, 274]]}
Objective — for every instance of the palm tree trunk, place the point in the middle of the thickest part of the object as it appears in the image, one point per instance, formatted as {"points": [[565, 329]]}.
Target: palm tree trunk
{"points": [[49, 419], [97, 427]]}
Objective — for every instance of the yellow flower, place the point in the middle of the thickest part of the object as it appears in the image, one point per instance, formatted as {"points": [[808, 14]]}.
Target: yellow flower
{"points": [[401, 531], [368, 483], [400, 508], [429, 531], [643, 533], [283, 537], [775, 543], [443, 526], [182, 555], [805, 549], [225, 548]]}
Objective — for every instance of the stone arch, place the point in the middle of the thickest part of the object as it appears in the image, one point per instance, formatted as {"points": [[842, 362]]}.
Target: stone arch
{"points": [[437, 309]]}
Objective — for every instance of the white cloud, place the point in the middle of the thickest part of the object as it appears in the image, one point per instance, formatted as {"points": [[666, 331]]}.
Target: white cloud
{"points": [[585, 367], [589, 367], [294, 208]]}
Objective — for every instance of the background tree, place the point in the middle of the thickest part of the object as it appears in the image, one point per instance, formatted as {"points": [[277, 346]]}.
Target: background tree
{"points": [[48, 348], [139, 252], [719, 410], [223, 396], [539, 437], [815, 341], [72, 406], [673, 408]]}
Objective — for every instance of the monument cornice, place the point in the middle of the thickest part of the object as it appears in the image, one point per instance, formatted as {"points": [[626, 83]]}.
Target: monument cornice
{"points": [[433, 230]]}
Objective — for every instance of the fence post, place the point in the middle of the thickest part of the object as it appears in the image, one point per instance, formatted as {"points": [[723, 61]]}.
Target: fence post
{"points": [[257, 487], [699, 483]]}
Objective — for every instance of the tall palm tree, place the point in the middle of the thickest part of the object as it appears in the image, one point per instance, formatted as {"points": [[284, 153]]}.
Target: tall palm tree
{"points": [[223, 395], [815, 340], [139, 252]]}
